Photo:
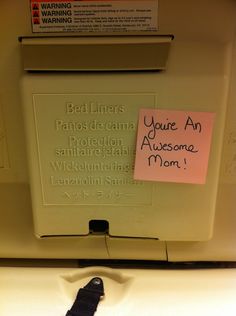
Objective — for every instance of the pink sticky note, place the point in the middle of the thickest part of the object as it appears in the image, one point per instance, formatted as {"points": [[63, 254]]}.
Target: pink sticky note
{"points": [[173, 146]]}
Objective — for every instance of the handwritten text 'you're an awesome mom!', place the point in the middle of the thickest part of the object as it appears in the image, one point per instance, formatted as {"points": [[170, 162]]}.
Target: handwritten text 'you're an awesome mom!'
{"points": [[173, 146]]}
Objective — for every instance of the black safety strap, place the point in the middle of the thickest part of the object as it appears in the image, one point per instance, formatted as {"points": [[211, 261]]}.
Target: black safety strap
{"points": [[87, 299]]}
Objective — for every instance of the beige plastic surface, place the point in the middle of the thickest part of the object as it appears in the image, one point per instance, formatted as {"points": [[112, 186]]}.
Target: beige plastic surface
{"points": [[51, 291], [18, 240], [79, 123], [95, 53], [223, 243], [192, 27]]}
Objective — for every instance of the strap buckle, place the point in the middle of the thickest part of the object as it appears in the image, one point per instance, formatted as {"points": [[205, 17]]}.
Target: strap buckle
{"points": [[87, 298]]}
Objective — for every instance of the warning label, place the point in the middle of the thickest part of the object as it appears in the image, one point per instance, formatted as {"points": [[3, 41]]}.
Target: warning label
{"points": [[89, 16]]}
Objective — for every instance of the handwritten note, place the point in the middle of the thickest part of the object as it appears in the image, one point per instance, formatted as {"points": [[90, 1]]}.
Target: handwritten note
{"points": [[173, 146]]}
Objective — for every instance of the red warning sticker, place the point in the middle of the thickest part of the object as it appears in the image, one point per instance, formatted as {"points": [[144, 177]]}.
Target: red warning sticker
{"points": [[36, 14], [36, 21], [90, 16], [35, 6]]}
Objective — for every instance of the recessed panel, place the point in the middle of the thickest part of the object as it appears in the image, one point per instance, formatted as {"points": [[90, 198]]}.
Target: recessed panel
{"points": [[86, 148]]}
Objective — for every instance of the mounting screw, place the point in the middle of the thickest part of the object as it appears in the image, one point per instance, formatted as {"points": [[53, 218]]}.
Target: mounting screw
{"points": [[97, 281]]}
